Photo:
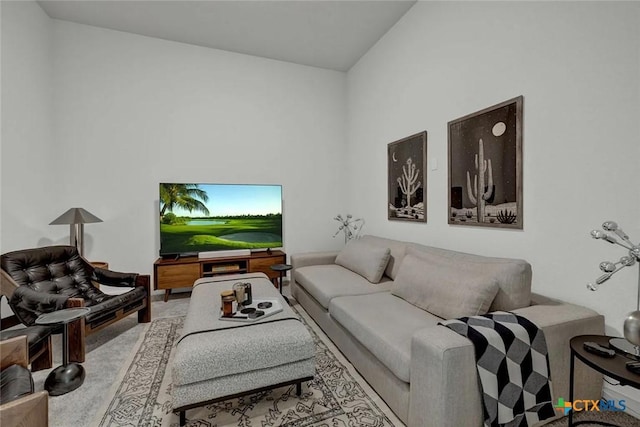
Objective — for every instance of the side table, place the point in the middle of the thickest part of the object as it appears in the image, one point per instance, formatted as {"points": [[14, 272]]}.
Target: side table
{"points": [[68, 376], [282, 268], [614, 367]]}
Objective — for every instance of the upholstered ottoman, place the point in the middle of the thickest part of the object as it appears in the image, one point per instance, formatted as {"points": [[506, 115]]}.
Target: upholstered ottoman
{"points": [[220, 359]]}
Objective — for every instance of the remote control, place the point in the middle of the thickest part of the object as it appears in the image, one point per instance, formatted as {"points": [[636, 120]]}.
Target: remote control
{"points": [[596, 348], [634, 367]]}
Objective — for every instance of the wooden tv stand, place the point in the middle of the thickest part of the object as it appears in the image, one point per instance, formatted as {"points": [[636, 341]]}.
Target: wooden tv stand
{"points": [[171, 274]]}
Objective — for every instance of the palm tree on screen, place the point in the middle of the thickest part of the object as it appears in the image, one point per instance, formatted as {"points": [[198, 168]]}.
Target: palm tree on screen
{"points": [[184, 196]]}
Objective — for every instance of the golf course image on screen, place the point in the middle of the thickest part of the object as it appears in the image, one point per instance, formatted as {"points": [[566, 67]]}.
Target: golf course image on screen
{"points": [[209, 217]]}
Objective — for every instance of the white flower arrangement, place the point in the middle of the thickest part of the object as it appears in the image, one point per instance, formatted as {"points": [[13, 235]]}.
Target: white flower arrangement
{"points": [[349, 226]]}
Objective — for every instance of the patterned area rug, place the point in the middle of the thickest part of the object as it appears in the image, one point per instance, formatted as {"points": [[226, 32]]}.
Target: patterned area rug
{"points": [[336, 397], [598, 419]]}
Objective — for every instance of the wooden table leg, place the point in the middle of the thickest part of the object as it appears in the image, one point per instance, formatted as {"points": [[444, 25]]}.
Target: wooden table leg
{"points": [[167, 292]]}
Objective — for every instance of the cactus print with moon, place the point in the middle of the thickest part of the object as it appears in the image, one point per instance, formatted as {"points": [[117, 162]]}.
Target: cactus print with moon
{"points": [[485, 167], [407, 182]]}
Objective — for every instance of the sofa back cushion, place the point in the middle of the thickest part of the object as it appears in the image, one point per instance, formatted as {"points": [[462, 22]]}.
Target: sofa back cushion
{"points": [[367, 260], [396, 247], [438, 286], [513, 276]]}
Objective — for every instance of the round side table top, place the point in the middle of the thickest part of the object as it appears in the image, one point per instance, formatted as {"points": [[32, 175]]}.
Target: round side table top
{"points": [[281, 267], [615, 367], [61, 317]]}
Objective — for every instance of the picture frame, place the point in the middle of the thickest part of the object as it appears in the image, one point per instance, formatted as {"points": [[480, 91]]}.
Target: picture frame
{"points": [[407, 178], [489, 140]]}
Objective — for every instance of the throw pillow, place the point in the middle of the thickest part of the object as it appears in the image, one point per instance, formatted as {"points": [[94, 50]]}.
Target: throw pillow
{"points": [[366, 260], [442, 289]]}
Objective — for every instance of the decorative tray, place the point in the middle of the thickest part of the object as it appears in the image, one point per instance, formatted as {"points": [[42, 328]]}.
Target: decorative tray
{"points": [[251, 313]]}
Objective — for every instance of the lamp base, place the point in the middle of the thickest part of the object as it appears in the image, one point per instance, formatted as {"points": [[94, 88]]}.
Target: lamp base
{"points": [[625, 346]]}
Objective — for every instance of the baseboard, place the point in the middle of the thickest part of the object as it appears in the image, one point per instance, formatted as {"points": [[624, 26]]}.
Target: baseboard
{"points": [[223, 254], [630, 395]]}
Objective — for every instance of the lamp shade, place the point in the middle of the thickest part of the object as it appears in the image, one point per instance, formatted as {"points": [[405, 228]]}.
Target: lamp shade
{"points": [[75, 216]]}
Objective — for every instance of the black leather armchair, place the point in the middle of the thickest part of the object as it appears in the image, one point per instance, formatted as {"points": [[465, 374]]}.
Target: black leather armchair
{"points": [[42, 280]]}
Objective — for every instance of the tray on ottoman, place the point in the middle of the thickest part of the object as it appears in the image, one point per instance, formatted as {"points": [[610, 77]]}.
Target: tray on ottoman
{"points": [[274, 307], [216, 360]]}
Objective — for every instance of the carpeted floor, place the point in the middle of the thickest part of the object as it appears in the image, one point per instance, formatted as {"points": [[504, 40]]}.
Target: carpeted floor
{"points": [[337, 396], [112, 351], [598, 419], [107, 352], [341, 395]]}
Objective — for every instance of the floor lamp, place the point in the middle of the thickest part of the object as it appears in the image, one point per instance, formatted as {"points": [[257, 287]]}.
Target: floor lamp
{"points": [[76, 218], [614, 235]]}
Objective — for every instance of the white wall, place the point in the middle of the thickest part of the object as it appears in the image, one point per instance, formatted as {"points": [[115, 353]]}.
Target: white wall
{"points": [[127, 112], [27, 132], [134, 111], [131, 111], [578, 67]]}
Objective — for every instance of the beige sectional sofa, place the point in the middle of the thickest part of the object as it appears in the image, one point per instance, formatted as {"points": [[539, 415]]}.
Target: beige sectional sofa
{"points": [[376, 300]]}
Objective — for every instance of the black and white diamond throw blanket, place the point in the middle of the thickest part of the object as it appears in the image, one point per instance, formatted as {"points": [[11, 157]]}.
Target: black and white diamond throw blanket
{"points": [[513, 367]]}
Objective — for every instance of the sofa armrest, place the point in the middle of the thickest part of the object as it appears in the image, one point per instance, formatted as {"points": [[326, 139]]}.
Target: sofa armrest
{"points": [[14, 351], [30, 410], [310, 258], [444, 384], [77, 333], [313, 258], [144, 280], [114, 278], [560, 322]]}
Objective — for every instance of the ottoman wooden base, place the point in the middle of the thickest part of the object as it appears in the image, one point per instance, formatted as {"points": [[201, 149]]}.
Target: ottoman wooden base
{"points": [[182, 411]]}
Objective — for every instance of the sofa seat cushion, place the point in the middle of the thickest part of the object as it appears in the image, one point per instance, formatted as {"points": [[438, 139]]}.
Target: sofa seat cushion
{"points": [[325, 282], [37, 335], [106, 309], [384, 324]]}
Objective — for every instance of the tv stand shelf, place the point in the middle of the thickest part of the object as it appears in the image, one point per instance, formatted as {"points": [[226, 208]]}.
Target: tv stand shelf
{"points": [[171, 274]]}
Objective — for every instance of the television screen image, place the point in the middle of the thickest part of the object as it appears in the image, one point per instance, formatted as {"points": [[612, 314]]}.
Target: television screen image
{"points": [[215, 217]]}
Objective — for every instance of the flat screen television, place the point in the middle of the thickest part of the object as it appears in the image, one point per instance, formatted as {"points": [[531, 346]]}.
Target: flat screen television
{"points": [[219, 217]]}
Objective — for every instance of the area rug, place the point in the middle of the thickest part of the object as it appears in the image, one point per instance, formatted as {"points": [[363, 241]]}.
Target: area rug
{"points": [[598, 419], [336, 397]]}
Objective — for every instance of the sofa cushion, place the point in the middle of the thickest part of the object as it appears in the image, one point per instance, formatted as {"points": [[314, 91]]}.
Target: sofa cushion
{"points": [[325, 282], [396, 247], [369, 261], [439, 286], [384, 324], [513, 276]]}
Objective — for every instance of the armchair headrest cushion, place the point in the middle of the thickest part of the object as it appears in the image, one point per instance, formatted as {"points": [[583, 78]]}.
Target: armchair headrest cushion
{"points": [[36, 265]]}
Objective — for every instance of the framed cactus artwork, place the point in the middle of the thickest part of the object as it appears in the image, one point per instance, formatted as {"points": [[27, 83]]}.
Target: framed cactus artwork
{"points": [[485, 167], [407, 179]]}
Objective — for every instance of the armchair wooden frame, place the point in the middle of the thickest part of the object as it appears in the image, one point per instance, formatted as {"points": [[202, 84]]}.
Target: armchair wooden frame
{"points": [[79, 329], [31, 410], [41, 358]]}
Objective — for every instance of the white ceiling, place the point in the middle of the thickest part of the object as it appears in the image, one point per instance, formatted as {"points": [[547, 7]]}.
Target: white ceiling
{"points": [[326, 34]]}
